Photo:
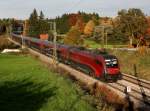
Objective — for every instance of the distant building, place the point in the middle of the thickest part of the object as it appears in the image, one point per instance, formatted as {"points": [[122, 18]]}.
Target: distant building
{"points": [[44, 36], [17, 27]]}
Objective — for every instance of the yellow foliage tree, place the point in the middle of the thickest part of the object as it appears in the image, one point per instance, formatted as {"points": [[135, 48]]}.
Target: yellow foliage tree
{"points": [[73, 37], [80, 24], [89, 28]]}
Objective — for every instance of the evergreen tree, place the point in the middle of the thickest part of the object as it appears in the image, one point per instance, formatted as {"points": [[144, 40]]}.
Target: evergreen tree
{"points": [[63, 24], [33, 24], [34, 16], [37, 24], [41, 15]]}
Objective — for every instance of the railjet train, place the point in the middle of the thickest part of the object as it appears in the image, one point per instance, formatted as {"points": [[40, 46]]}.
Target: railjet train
{"points": [[95, 63]]}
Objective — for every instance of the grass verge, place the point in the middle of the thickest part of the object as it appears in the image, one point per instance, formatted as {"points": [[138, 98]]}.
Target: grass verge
{"points": [[93, 44], [6, 44], [25, 85], [128, 59]]}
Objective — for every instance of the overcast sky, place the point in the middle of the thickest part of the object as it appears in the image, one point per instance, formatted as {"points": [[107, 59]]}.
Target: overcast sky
{"points": [[21, 9]]}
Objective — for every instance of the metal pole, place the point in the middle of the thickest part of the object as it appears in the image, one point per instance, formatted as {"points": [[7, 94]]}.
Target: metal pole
{"points": [[103, 35], [10, 31], [54, 55], [22, 41], [106, 39], [135, 70], [55, 46]]}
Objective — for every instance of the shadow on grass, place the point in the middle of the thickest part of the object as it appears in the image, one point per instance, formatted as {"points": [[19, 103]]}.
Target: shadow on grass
{"points": [[24, 95]]}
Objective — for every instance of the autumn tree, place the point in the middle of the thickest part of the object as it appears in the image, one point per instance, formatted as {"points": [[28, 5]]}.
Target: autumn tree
{"points": [[147, 35], [66, 21], [88, 16], [89, 27], [80, 24], [73, 37], [73, 18], [5, 24], [131, 23]]}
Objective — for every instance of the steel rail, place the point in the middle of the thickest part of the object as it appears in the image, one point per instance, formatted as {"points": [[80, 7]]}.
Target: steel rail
{"points": [[135, 80]]}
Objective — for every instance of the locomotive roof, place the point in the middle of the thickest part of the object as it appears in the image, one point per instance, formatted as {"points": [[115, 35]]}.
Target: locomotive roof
{"points": [[98, 52], [92, 51]]}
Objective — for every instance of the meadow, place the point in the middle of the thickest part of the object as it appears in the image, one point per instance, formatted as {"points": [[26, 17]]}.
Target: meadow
{"points": [[26, 85]]}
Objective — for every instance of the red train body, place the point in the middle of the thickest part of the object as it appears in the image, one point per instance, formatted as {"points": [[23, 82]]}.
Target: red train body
{"points": [[96, 63]]}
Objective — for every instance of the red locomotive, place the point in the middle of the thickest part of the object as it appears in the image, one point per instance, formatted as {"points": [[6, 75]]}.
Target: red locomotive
{"points": [[96, 63]]}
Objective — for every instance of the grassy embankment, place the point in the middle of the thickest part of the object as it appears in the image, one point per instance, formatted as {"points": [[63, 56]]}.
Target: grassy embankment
{"points": [[94, 45], [25, 85], [128, 59], [5, 44]]}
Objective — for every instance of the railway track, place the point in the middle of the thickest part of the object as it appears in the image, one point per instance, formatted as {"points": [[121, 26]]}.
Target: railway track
{"points": [[137, 89], [135, 80], [140, 89]]}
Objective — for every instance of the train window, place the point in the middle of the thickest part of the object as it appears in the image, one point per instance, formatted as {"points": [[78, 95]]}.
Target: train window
{"points": [[111, 63]]}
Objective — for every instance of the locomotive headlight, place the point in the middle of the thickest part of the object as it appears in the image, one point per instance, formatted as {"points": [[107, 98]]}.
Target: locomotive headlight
{"points": [[110, 61], [114, 62], [107, 60], [107, 63]]}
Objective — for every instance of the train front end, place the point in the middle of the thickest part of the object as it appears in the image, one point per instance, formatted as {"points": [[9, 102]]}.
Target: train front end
{"points": [[112, 68]]}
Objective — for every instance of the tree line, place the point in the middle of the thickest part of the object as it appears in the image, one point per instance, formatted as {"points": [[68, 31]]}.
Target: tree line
{"points": [[37, 24], [66, 21], [131, 24], [128, 26]]}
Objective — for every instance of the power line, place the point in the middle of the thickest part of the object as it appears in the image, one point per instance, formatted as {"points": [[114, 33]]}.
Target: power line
{"points": [[74, 6]]}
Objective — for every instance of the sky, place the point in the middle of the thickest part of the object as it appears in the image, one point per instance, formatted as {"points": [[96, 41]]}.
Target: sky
{"points": [[21, 9]]}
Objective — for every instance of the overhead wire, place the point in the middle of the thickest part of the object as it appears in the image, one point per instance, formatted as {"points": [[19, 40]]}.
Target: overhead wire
{"points": [[74, 6]]}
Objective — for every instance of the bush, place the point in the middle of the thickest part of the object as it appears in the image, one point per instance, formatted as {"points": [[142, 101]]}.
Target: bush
{"points": [[5, 43]]}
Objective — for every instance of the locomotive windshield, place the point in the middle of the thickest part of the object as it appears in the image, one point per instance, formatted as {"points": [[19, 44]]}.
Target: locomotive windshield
{"points": [[111, 63]]}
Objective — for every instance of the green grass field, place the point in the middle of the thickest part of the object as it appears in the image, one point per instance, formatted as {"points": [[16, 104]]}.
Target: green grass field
{"points": [[94, 45], [26, 85]]}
